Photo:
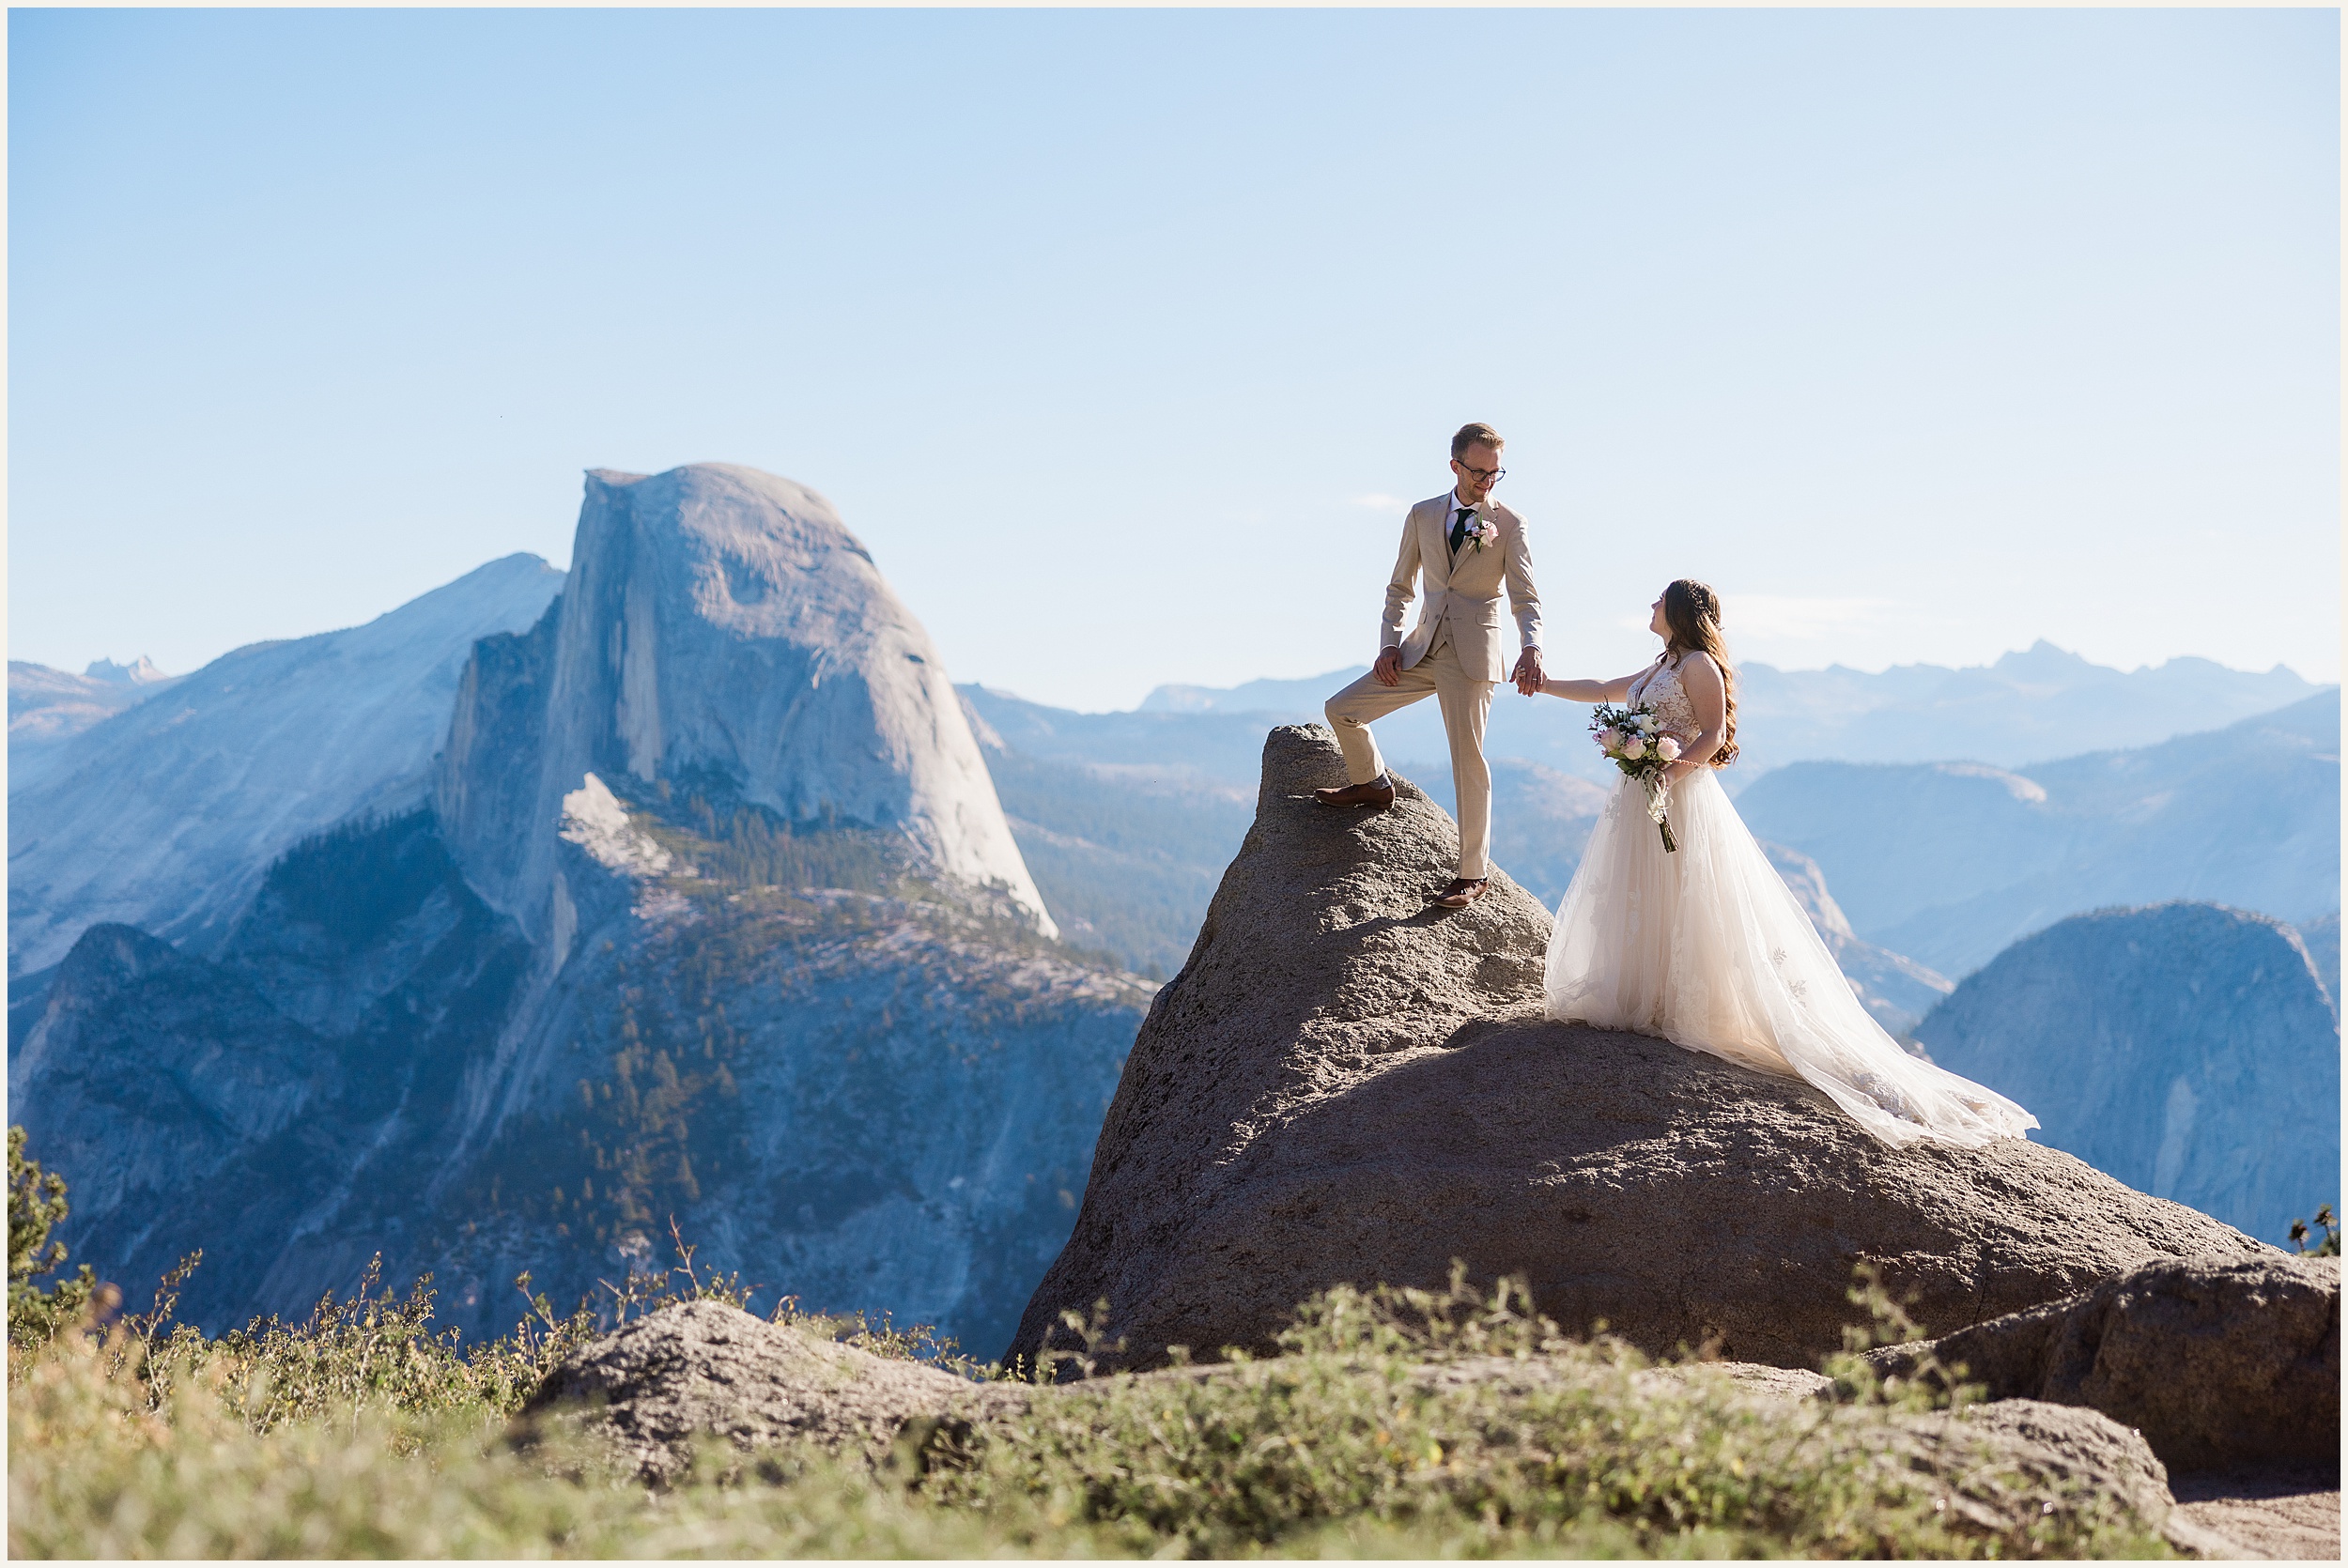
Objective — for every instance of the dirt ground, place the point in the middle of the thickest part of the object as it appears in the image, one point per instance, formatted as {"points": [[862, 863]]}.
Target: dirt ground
{"points": [[2288, 1512]]}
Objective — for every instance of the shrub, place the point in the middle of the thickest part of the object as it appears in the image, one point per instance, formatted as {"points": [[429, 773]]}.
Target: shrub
{"points": [[2329, 1245], [36, 1202]]}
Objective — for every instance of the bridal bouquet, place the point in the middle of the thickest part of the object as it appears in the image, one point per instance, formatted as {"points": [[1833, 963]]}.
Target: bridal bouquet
{"points": [[1630, 738]]}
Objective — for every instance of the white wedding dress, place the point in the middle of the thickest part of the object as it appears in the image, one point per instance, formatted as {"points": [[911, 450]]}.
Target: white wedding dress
{"points": [[1707, 949]]}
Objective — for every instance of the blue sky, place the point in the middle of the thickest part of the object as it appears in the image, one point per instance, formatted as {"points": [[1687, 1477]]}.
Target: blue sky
{"points": [[1122, 337]]}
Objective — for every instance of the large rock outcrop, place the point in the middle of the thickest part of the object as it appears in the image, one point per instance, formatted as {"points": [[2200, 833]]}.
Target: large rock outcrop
{"points": [[2189, 1050], [167, 816], [721, 627], [2217, 1363], [1343, 1085]]}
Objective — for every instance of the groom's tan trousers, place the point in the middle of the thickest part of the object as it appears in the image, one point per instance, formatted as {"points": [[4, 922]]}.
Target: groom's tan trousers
{"points": [[1466, 703]]}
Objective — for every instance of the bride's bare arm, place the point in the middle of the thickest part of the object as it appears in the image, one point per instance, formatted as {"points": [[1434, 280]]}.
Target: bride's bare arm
{"points": [[1592, 691], [1700, 678]]}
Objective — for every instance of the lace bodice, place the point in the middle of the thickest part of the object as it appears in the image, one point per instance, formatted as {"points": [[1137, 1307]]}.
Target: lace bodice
{"points": [[1660, 689]]}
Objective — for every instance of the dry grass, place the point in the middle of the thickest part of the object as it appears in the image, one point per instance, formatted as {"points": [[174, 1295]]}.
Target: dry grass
{"points": [[360, 1432]]}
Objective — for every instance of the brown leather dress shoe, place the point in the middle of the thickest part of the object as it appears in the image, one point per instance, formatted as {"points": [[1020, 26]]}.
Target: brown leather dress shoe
{"points": [[1376, 796], [1461, 893]]}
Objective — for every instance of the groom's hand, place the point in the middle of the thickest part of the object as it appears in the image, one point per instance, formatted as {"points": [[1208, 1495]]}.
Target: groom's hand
{"points": [[1389, 669], [1528, 675]]}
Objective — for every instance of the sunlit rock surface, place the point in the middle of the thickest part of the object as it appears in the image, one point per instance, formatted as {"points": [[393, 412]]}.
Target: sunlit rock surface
{"points": [[721, 628]]}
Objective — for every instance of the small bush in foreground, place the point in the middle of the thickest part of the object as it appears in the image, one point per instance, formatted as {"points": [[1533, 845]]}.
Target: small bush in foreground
{"points": [[36, 1204]]}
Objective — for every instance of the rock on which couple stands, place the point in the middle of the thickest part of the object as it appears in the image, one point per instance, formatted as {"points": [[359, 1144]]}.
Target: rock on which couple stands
{"points": [[1343, 1085], [655, 1388], [2217, 1363]]}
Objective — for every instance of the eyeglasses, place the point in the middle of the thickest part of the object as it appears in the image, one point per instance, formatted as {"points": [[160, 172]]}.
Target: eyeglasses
{"points": [[1490, 476]]}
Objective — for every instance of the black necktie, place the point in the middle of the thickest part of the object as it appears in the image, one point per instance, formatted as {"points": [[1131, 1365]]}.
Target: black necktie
{"points": [[1458, 528]]}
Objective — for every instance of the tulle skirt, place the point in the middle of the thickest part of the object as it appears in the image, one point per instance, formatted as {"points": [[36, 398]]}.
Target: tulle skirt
{"points": [[1707, 949]]}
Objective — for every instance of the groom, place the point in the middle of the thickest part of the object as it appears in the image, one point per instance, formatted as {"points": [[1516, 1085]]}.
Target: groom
{"points": [[1467, 546]]}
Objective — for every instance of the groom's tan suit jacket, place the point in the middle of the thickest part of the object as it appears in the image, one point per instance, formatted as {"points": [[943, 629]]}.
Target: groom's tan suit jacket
{"points": [[1463, 591]]}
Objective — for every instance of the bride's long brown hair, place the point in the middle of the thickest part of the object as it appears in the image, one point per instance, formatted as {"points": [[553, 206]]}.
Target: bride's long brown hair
{"points": [[1692, 612]]}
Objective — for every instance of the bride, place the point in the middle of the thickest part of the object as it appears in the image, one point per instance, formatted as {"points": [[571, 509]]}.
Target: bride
{"points": [[1706, 946]]}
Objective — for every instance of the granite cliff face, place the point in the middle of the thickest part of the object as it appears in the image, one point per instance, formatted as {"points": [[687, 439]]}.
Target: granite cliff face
{"points": [[2031, 705], [166, 816], [2187, 1049], [1343, 1085], [710, 914], [720, 626]]}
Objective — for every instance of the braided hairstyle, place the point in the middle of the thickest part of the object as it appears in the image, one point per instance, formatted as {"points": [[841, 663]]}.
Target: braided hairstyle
{"points": [[1692, 612]]}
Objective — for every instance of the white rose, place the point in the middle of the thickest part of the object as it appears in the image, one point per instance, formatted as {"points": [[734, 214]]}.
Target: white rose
{"points": [[1635, 748], [1668, 748]]}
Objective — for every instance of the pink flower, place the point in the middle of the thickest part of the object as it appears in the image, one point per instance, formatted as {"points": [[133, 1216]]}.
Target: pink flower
{"points": [[1668, 748], [1635, 748]]}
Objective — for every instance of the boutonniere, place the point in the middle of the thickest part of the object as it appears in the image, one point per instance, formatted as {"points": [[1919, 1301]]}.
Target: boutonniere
{"points": [[1484, 526]]}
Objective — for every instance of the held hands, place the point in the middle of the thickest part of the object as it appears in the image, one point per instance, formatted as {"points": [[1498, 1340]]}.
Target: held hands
{"points": [[1387, 671], [1528, 672]]}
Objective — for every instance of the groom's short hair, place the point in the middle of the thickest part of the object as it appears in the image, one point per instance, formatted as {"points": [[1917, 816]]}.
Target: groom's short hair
{"points": [[1475, 434]]}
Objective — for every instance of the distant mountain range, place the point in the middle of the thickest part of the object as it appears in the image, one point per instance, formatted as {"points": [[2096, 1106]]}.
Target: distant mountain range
{"points": [[2027, 707], [2187, 1048], [1951, 862], [46, 705]]}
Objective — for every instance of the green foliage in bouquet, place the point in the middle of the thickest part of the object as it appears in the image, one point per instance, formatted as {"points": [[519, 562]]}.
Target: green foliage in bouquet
{"points": [[1634, 741]]}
